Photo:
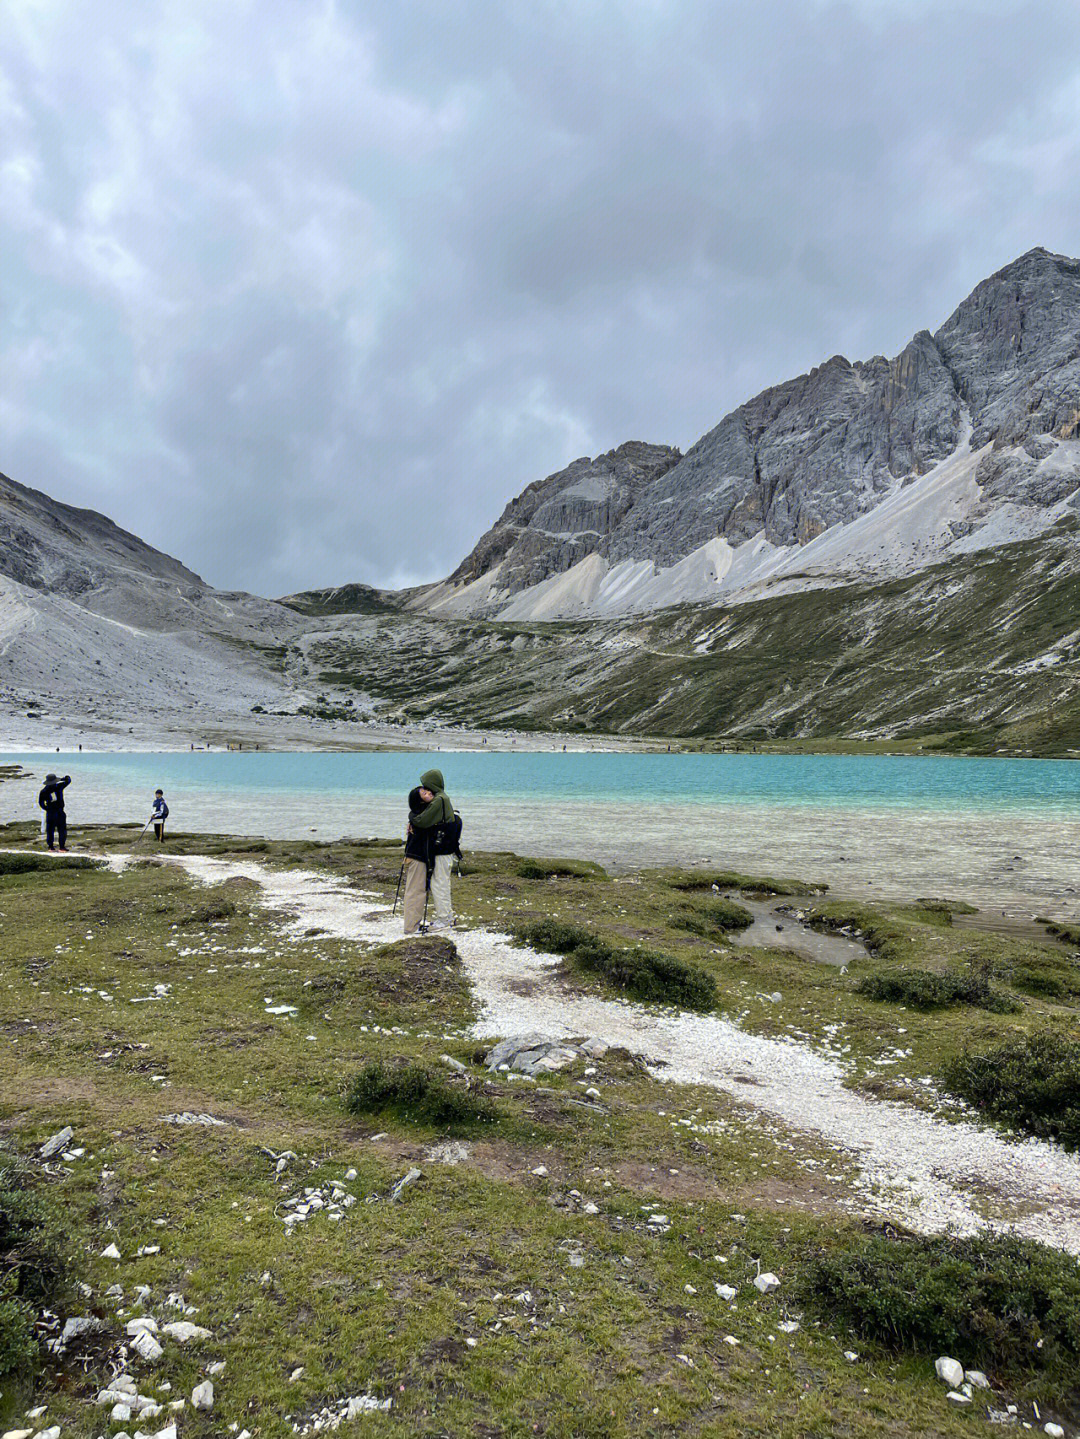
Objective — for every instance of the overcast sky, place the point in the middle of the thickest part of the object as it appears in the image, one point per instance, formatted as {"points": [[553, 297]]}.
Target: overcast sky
{"points": [[305, 292]]}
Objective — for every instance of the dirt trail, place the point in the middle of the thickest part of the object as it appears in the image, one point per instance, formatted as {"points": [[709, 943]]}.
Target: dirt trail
{"points": [[929, 1174]]}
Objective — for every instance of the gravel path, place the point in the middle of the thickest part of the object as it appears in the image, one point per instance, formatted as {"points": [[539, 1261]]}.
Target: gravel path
{"points": [[930, 1174]]}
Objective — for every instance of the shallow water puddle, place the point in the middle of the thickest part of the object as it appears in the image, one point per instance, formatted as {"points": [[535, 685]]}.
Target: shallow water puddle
{"points": [[775, 927]]}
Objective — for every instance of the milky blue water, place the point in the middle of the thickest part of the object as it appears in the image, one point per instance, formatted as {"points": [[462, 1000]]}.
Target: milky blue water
{"points": [[998, 827]]}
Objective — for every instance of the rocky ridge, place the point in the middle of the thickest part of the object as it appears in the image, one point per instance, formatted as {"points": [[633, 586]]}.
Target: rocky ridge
{"points": [[995, 392]]}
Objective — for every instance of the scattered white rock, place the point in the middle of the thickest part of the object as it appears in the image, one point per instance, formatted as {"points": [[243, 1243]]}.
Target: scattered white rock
{"points": [[145, 1249], [949, 1371], [18, 1434], [82, 1324], [766, 1283], [333, 1417], [851, 1356], [188, 1117], [977, 1377], [590, 1208], [592, 1092], [788, 1326], [658, 1220], [147, 1347], [726, 1292], [141, 1326], [110, 1252], [1054, 1430], [957, 1397], [218, 1367], [121, 1412], [404, 1182], [202, 1396], [452, 1063], [183, 1331], [541, 1171], [58, 1141]]}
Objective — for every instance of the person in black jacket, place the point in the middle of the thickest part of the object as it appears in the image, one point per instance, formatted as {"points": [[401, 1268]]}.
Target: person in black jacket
{"points": [[418, 860], [51, 800]]}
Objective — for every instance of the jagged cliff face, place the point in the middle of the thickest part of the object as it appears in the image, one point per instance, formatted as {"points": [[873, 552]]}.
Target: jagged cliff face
{"points": [[1001, 379]]}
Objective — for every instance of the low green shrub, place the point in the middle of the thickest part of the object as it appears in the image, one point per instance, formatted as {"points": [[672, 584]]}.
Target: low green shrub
{"points": [[1031, 1083], [1067, 933], [712, 917], [1037, 983], [33, 1263], [29, 863], [695, 879], [995, 1302], [207, 913], [644, 973], [558, 869], [416, 1093], [923, 989]]}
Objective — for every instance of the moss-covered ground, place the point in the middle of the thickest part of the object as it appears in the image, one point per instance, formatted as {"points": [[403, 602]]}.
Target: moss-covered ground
{"points": [[488, 1300]]}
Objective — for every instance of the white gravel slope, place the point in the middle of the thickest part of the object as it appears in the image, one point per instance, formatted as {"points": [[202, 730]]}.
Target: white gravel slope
{"points": [[930, 1174]]}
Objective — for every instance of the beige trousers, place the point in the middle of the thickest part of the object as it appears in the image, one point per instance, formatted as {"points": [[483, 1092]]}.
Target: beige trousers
{"points": [[440, 891], [415, 890]]}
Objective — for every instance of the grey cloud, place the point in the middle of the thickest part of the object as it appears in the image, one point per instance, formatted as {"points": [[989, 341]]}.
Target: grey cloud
{"points": [[305, 294]]}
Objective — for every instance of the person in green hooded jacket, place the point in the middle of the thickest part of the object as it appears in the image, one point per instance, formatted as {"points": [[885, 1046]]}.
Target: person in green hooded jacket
{"points": [[431, 823]]}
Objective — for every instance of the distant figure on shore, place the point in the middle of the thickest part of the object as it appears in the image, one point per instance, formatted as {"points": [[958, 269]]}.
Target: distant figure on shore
{"points": [[159, 814], [439, 821], [51, 800]]}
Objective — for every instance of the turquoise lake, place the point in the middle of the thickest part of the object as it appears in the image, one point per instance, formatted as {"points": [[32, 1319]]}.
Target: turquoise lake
{"points": [[997, 829]]}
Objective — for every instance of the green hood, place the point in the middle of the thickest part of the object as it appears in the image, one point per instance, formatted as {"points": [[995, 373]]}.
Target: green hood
{"points": [[432, 779]]}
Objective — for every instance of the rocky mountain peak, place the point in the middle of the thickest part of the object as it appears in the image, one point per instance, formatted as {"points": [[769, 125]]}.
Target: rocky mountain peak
{"points": [[827, 448]]}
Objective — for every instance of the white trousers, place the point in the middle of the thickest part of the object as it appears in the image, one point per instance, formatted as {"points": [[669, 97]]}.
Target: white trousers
{"points": [[440, 890]]}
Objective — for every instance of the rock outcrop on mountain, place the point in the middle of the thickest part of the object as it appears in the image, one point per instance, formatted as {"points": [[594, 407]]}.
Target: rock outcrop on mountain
{"points": [[998, 383]]}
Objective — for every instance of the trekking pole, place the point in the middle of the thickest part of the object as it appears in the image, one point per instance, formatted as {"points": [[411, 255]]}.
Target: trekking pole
{"points": [[145, 827], [397, 892]]}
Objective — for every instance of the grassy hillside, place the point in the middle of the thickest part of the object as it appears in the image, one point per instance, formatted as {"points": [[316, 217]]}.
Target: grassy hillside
{"points": [[980, 654]]}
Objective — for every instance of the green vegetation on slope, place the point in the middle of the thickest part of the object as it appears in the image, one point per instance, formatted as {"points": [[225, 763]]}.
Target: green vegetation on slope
{"points": [[978, 654]]}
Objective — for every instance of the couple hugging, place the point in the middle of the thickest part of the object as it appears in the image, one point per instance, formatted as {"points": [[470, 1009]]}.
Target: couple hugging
{"points": [[432, 840]]}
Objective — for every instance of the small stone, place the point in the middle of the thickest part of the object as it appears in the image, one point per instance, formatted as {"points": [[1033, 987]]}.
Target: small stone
{"points": [[949, 1371], [658, 1219], [110, 1252], [689, 1289], [183, 1331], [1055, 1430], [202, 1396], [977, 1377], [590, 1208], [53, 1432], [298, 1373], [147, 1347], [592, 1092], [726, 1291], [541, 1171], [403, 1183], [957, 1397], [766, 1283], [452, 1063], [147, 1249], [851, 1356], [59, 1141], [18, 1434], [83, 1324], [788, 1326], [730, 1339], [141, 1326], [350, 1174], [218, 1367]]}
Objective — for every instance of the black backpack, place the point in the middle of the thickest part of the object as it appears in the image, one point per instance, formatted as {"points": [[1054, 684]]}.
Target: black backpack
{"points": [[448, 837]]}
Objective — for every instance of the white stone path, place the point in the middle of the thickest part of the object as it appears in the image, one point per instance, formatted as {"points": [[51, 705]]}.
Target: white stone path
{"points": [[925, 1171]]}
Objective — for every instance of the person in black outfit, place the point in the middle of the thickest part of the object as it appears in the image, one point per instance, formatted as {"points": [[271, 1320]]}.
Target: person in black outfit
{"points": [[418, 861], [51, 800]]}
